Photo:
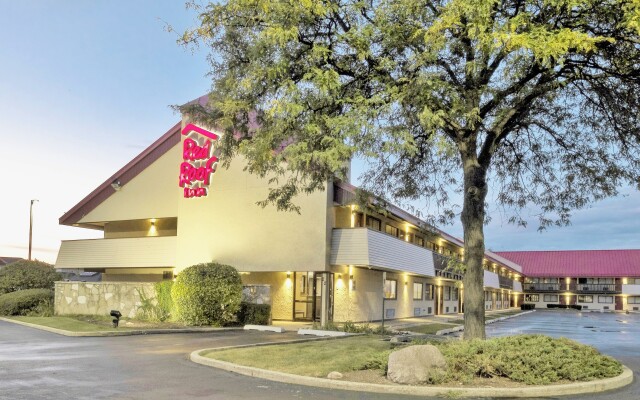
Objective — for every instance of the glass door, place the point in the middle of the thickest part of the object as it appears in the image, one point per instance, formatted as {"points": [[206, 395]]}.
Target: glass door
{"points": [[303, 296]]}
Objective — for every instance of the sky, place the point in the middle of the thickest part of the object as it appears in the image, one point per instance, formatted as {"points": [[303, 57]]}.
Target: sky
{"points": [[87, 85]]}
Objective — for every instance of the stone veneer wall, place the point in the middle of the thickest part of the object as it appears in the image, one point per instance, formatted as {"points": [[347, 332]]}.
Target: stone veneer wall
{"points": [[99, 298]]}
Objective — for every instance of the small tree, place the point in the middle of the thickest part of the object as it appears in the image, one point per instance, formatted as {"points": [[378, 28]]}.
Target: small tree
{"points": [[26, 274], [207, 294]]}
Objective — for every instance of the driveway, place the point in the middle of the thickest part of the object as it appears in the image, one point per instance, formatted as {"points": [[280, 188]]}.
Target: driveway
{"points": [[40, 365]]}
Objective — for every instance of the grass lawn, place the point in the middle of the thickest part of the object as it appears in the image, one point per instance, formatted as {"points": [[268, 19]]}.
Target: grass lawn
{"points": [[429, 328], [310, 358], [95, 323], [68, 324]]}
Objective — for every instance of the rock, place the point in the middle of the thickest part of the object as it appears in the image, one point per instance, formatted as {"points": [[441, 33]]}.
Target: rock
{"points": [[415, 364], [334, 375], [400, 339]]}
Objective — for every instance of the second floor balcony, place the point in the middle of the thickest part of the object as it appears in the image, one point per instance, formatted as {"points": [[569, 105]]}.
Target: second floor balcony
{"points": [[542, 287]]}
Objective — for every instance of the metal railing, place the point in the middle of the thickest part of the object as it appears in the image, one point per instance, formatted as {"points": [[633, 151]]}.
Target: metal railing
{"points": [[596, 288], [542, 287]]}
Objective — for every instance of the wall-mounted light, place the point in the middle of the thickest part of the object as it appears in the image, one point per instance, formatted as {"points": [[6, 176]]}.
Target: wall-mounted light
{"points": [[351, 277], [288, 275], [116, 185]]}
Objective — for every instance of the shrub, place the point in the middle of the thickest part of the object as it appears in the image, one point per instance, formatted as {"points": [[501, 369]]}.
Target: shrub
{"points": [[531, 359], [25, 274], [254, 314], [207, 294], [27, 302]]}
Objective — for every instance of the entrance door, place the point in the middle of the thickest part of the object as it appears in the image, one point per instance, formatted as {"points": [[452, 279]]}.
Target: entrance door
{"points": [[619, 303], [313, 296], [323, 297], [303, 296], [439, 300]]}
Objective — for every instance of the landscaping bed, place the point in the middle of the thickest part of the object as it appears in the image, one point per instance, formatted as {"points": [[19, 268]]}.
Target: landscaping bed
{"points": [[500, 362]]}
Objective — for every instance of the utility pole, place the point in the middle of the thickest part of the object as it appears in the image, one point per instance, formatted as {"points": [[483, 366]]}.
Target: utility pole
{"points": [[31, 225]]}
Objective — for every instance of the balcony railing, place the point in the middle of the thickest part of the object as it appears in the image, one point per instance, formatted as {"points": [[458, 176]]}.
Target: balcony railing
{"points": [[542, 287], [118, 253], [505, 283], [597, 288]]}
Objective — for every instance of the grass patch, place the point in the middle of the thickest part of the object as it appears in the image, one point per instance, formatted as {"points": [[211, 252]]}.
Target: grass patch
{"points": [[67, 323], [95, 323], [528, 359], [430, 329], [312, 358]]}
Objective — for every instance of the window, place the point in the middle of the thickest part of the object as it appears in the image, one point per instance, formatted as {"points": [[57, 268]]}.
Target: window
{"points": [[447, 292], [420, 241], [633, 300], [454, 293], [585, 299], [391, 230], [390, 289], [417, 291], [531, 298], [551, 298], [374, 223], [409, 237], [429, 292], [605, 299], [633, 281], [359, 219], [487, 296]]}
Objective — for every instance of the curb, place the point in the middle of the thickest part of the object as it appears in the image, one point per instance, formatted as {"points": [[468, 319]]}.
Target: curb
{"points": [[461, 327], [530, 391], [115, 333]]}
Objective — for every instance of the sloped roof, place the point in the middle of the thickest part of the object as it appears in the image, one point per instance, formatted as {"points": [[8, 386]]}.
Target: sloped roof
{"points": [[577, 263], [124, 175]]}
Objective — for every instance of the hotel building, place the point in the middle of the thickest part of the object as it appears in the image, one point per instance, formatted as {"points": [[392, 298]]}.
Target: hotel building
{"points": [[170, 207], [598, 280]]}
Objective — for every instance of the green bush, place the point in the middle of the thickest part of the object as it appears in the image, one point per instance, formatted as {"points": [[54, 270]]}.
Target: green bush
{"points": [[36, 302], [158, 308], [164, 300], [207, 294], [254, 314], [25, 274], [531, 359]]}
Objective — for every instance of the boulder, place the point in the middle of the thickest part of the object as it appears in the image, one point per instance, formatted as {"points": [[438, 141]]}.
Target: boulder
{"points": [[334, 375], [415, 364]]}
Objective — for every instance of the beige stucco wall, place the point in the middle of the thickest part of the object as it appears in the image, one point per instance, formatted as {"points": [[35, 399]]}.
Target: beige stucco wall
{"points": [[100, 298], [281, 292], [153, 193], [229, 227], [365, 302]]}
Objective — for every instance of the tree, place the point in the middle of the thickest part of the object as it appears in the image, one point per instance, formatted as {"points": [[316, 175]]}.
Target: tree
{"points": [[25, 274], [536, 97]]}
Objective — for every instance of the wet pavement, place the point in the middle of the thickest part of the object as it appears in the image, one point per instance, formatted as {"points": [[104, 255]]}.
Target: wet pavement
{"points": [[41, 365]]}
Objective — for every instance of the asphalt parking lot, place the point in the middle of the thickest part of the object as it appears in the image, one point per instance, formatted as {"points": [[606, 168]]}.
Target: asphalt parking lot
{"points": [[40, 365]]}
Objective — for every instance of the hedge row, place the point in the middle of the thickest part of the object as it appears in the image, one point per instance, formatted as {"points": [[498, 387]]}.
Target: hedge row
{"points": [[27, 302]]}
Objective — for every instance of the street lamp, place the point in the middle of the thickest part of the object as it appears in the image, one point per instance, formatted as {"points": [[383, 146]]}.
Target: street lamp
{"points": [[31, 225]]}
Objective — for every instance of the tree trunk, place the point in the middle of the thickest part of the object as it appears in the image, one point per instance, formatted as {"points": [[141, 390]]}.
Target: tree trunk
{"points": [[473, 213]]}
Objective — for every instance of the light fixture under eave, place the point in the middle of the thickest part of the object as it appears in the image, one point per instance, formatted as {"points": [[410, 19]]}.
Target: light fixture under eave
{"points": [[116, 185]]}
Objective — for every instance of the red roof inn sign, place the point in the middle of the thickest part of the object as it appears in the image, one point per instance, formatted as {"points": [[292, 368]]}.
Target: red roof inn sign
{"points": [[198, 161]]}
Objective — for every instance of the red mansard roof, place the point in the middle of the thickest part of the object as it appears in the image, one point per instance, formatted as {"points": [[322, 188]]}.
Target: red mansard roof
{"points": [[577, 263]]}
